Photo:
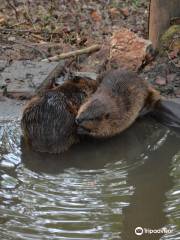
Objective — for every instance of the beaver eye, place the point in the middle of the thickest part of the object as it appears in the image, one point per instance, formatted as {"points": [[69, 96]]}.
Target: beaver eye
{"points": [[107, 115]]}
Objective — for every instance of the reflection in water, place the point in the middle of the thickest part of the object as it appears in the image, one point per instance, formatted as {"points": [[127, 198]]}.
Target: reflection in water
{"points": [[96, 190], [151, 181], [172, 205]]}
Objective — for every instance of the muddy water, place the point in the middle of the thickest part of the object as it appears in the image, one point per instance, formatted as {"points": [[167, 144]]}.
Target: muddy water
{"points": [[97, 190]]}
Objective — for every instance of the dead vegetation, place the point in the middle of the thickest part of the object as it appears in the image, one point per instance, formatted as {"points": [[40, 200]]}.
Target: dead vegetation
{"points": [[59, 26], [42, 29]]}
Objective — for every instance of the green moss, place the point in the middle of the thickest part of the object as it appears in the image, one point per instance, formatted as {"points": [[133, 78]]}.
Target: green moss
{"points": [[136, 3], [170, 39]]}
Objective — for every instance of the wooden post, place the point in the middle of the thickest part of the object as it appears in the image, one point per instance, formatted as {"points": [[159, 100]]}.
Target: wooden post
{"points": [[161, 12]]}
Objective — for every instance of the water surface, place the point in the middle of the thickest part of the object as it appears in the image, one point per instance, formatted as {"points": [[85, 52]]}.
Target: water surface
{"points": [[96, 190]]}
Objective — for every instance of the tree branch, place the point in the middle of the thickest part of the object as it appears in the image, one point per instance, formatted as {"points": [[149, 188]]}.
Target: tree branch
{"points": [[75, 53]]}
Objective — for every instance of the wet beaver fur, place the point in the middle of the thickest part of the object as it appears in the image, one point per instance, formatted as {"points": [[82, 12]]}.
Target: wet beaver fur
{"points": [[121, 97], [48, 121]]}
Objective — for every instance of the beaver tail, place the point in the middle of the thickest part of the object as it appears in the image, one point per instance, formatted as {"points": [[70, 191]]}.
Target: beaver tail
{"points": [[167, 112]]}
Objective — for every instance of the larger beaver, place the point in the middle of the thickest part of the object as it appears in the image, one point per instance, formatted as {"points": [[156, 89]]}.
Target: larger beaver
{"points": [[121, 97], [48, 121]]}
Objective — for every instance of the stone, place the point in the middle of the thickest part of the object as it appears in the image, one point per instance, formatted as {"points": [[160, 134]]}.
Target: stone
{"points": [[171, 77], [11, 109], [11, 39], [170, 40], [25, 78], [177, 93], [177, 100], [160, 81], [114, 12], [124, 11], [3, 64], [128, 50], [96, 16], [96, 61]]}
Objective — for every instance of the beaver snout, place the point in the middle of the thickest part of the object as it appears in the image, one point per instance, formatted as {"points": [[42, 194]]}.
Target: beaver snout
{"points": [[82, 126], [83, 131], [78, 121]]}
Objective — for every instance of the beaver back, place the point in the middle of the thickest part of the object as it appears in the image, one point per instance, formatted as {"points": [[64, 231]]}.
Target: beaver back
{"points": [[48, 121]]}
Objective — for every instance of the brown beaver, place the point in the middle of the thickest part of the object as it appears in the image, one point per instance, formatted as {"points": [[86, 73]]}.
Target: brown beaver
{"points": [[121, 97], [48, 121]]}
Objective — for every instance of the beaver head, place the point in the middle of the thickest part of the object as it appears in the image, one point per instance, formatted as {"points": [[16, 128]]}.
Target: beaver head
{"points": [[118, 101], [99, 116]]}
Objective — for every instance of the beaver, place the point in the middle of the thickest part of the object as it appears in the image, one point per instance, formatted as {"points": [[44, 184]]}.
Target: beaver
{"points": [[48, 120], [120, 99]]}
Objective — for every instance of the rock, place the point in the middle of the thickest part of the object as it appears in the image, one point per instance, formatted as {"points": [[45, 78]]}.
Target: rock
{"points": [[177, 100], [178, 64], [2, 20], [3, 64], [175, 21], [11, 39], [128, 50], [96, 61], [96, 17], [11, 109], [160, 81], [22, 79], [90, 75], [177, 93], [171, 77], [174, 54], [124, 12], [113, 12], [170, 40]]}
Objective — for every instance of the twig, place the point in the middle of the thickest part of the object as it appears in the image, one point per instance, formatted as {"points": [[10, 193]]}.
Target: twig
{"points": [[17, 24], [170, 59], [75, 53], [172, 42], [43, 54], [49, 44], [11, 5], [28, 13], [90, 75], [28, 31], [37, 37]]}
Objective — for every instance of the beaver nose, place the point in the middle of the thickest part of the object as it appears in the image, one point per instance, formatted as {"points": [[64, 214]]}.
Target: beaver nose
{"points": [[78, 121]]}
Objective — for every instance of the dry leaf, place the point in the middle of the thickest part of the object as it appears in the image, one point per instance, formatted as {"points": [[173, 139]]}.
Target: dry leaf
{"points": [[96, 16], [124, 11], [2, 20], [160, 81]]}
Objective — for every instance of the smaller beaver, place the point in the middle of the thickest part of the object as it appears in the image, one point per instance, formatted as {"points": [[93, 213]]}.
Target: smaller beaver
{"points": [[48, 121], [120, 99]]}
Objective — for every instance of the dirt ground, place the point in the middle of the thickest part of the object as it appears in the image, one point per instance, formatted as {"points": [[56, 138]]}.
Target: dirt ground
{"points": [[36, 29]]}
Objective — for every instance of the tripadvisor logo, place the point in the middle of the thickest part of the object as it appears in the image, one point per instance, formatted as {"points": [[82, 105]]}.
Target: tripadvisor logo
{"points": [[140, 231]]}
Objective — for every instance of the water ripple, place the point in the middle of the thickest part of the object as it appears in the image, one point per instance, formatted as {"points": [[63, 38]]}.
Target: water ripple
{"points": [[83, 194], [173, 201]]}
